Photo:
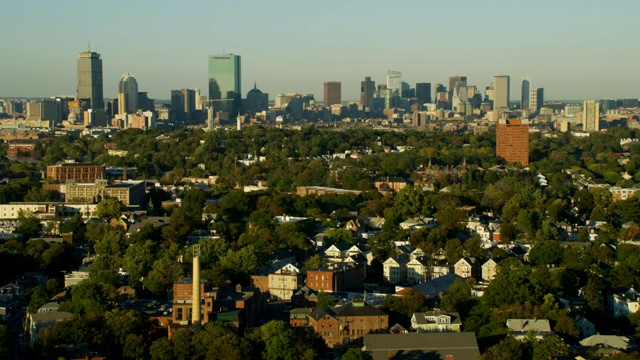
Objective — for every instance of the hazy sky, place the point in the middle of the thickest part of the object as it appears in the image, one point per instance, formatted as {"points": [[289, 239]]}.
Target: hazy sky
{"points": [[575, 49]]}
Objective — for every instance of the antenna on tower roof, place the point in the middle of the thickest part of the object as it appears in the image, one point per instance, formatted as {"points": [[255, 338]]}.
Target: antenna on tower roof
{"points": [[89, 45]]}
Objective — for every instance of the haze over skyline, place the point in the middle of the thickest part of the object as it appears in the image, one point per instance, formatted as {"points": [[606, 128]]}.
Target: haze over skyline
{"points": [[574, 49]]}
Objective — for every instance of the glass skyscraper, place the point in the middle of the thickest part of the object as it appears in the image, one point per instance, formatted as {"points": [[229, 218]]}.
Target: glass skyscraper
{"points": [[224, 84]]}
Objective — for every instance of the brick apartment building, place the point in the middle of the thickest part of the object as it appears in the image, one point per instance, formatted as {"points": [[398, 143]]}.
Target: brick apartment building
{"points": [[336, 277], [79, 172], [512, 140], [343, 324]]}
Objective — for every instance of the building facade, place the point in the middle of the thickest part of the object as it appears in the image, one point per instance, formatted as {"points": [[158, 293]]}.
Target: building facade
{"points": [[224, 84], [128, 192], [525, 94], [501, 91], [512, 140], [336, 277], [90, 78], [367, 88], [80, 172], [591, 115], [332, 93], [127, 94], [423, 93]]}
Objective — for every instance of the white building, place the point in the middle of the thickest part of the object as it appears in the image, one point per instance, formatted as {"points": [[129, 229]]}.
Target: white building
{"points": [[626, 303]]}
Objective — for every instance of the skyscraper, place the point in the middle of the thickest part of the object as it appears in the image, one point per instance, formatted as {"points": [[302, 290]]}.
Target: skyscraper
{"points": [[591, 116], [536, 99], [332, 93], [423, 93], [367, 87], [224, 84], [524, 96], [501, 91], [127, 94], [394, 82], [90, 78]]}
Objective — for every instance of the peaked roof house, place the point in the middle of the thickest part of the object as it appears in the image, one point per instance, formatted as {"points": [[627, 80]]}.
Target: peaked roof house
{"points": [[467, 267], [519, 328], [417, 270], [489, 269], [436, 321], [395, 268]]}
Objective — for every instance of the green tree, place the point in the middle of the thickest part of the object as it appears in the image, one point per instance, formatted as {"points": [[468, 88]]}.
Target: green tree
{"points": [[28, 224], [507, 349], [163, 274], [356, 354], [161, 349], [546, 252], [109, 208], [551, 348], [314, 262], [279, 341], [39, 297], [134, 347], [325, 302]]}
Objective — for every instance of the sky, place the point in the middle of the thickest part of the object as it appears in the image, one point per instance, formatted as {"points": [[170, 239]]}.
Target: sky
{"points": [[574, 49]]}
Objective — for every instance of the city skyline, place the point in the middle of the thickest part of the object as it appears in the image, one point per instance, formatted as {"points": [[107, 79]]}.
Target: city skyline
{"points": [[572, 49]]}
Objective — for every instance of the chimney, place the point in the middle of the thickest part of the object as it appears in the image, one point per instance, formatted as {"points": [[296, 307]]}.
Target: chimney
{"points": [[124, 173], [195, 305], [449, 357]]}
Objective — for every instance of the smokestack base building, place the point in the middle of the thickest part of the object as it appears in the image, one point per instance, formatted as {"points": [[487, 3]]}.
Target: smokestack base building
{"points": [[512, 141]]}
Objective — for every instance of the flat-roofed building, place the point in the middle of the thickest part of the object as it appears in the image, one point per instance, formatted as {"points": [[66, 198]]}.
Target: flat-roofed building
{"points": [[80, 172], [512, 141]]}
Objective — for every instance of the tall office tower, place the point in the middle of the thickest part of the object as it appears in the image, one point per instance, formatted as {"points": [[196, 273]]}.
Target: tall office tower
{"points": [[332, 93], [224, 84], [394, 82], [423, 93], [367, 87], [144, 103], [512, 140], [90, 78], [51, 109], [591, 115], [34, 111], [127, 94], [524, 96], [608, 104], [501, 91], [459, 95], [177, 101], [406, 91], [536, 99], [183, 104], [453, 81]]}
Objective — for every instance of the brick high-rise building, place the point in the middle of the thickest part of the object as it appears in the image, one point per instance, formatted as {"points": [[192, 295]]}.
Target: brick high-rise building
{"points": [[512, 140], [332, 93]]}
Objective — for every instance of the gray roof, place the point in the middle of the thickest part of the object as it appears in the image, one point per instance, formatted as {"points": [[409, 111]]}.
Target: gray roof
{"points": [[432, 288], [614, 341], [53, 316], [463, 346], [359, 309], [526, 325]]}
